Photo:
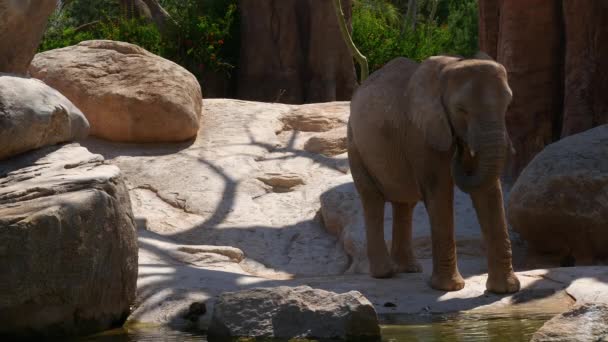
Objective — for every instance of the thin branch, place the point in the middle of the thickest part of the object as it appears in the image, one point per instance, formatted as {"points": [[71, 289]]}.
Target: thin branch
{"points": [[357, 55]]}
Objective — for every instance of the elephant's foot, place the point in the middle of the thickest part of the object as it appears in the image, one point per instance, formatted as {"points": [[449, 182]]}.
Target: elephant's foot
{"points": [[447, 282], [383, 269], [406, 261], [503, 284], [409, 266]]}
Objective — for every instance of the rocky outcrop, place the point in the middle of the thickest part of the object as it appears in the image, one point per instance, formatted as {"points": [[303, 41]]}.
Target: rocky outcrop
{"points": [[329, 143], [68, 251], [557, 58], [34, 115], [127, 93], [586, 65], [559, 204], [318, 117], [293, 312], [587, 322], [293, 52], [22, 24], [246, 181]]}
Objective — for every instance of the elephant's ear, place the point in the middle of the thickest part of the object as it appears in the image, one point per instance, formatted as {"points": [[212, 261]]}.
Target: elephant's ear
{"points": [[424, 103]]}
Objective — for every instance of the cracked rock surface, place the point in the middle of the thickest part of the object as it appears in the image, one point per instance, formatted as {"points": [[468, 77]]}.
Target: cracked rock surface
{"points": [[67, 239]]}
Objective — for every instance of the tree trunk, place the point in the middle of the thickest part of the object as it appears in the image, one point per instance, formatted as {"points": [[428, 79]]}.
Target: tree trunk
{"points": [[531, 49], [489, 18], [586, 66], [412, 14], [150, 10], [292, 51], [22, 25]]}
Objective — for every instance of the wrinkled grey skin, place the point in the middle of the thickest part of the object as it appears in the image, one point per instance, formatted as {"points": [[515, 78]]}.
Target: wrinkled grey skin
{"points": [[415, 130]]}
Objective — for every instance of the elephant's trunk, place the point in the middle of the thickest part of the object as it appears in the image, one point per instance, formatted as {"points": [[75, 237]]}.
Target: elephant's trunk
{"points": [[490, 147]]}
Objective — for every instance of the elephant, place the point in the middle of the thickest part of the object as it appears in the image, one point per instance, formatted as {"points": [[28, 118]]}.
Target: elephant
{"points": [[415, 130]]}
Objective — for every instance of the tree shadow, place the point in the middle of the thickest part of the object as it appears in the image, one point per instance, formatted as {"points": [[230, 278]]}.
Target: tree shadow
{"points": [[420, 297]]}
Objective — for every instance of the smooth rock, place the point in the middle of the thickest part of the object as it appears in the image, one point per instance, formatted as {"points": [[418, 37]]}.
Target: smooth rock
{"points": [[127, 93], [328, 143], [68, 249], [22, 25], [559, 203], [293, 312], [281, 182], [34, 115], [587, 322]]}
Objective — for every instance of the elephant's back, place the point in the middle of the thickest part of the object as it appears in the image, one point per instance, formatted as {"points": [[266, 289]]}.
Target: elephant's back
{"points": [[382, 94], [396, 71]]}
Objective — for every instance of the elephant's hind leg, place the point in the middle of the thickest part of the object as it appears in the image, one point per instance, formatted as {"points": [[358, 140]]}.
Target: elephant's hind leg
{"points": [[380, 263], [401, 248]]}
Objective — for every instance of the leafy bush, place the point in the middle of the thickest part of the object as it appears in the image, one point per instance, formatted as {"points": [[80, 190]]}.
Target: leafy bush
{"points": [[201, 38], [382, 40], [134, 31], [204, 41]]}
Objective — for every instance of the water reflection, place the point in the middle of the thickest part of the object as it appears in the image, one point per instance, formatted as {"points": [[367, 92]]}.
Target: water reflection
{"points": [[464, 328], [398, 328]]}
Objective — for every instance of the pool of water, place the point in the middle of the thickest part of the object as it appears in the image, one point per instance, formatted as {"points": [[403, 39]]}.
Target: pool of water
{"points": [[404, 328]]}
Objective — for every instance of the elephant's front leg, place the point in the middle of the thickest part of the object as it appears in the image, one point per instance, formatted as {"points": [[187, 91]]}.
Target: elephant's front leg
{"points": [[439, 204], [491, 214]]}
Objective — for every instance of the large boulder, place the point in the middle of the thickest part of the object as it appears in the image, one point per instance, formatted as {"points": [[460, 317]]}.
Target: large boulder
{"points": [[22, 24], [34, 115], [587, 322], [127, 93], [68, 250], [293, 312], [293, 52], [559, 203]]}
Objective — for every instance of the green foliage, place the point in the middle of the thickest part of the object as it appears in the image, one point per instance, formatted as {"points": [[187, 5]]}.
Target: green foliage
{"points": [[201, 38], [206, 34], [463, 25], [135, 31], [382, 40]]}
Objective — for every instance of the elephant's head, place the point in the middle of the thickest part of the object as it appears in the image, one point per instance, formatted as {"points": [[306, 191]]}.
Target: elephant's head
{"points": [[461, 103]]}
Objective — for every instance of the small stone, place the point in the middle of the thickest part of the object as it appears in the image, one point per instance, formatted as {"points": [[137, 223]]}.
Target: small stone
{"points": [[281, 182]]}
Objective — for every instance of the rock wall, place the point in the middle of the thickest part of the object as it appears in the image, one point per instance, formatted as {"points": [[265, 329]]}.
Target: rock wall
{"points": [[293, 52], [556, 53], [22, 24]]}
